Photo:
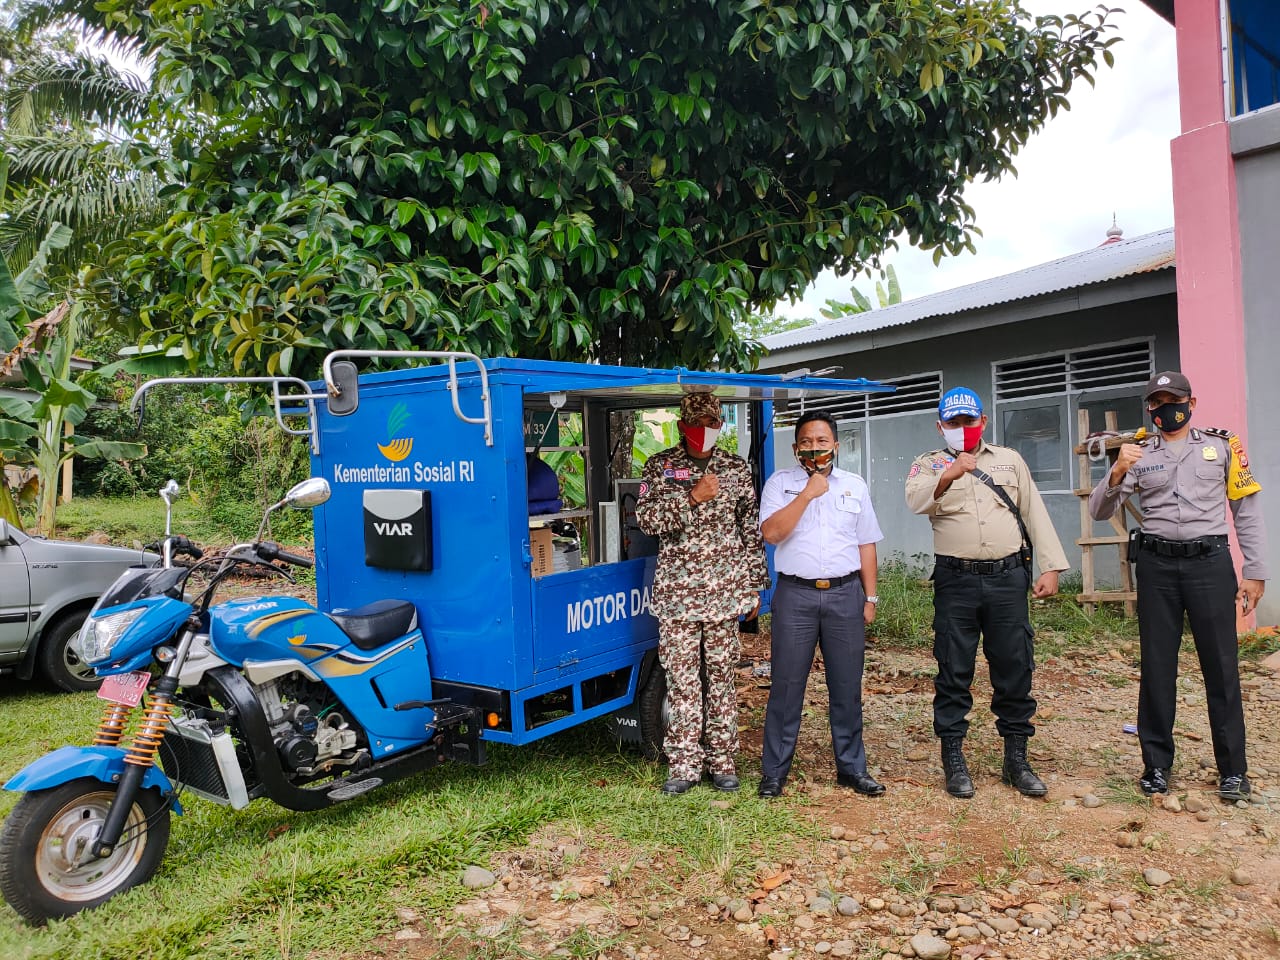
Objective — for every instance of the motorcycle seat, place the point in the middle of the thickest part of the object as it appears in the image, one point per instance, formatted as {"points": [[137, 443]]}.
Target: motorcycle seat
{"points": [[377, 623]]}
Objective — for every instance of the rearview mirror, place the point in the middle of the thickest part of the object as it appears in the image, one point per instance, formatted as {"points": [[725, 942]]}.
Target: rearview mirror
{"points": [[309, 493], [6, 537], [347, 381]]}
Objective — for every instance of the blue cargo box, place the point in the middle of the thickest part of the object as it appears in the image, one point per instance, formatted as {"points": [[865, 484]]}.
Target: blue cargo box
{"points": [[431, 503]]}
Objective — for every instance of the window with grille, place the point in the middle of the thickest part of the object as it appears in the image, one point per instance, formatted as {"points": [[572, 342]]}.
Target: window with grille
{"points": [[916, 393], [1037, 400], [1096, 368]]}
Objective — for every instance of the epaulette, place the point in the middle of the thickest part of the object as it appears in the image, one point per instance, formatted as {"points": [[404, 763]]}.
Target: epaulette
{"points": [[1217, 432]]}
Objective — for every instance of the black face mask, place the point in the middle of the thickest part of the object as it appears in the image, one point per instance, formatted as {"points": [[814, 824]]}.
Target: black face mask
{"points": [[1171, 417]]}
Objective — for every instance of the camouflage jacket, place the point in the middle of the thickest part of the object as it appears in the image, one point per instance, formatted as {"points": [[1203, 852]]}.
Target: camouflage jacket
{"points": [[711, 561]]}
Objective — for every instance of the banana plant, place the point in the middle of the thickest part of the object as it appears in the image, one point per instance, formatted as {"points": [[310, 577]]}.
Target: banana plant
{"points": [[41, 349]]}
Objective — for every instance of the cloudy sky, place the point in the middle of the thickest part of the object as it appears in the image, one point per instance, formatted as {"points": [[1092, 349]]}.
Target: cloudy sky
{"points": [[1108, 154]]}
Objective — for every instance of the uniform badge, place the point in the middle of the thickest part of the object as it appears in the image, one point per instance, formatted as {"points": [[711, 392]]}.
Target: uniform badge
{"points": [[914, 471], [1211, 453], [682, 474], [668, 474]]}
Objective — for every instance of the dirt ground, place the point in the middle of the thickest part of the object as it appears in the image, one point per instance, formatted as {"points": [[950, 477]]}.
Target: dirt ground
{"points": [[1093, 870]]}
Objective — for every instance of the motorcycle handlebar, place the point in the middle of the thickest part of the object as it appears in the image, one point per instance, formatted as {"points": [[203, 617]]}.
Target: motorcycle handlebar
{"points": [[183, 545], [269, 550], [178, 545]]}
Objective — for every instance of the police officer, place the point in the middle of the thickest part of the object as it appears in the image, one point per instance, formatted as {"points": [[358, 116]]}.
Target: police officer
{"points": [[1186, 478], [700, 502], [822, 521], [981, 575]]}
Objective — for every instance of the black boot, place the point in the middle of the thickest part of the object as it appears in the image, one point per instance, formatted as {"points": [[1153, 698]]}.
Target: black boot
{"points": [[1017, 771], [959, 783]]}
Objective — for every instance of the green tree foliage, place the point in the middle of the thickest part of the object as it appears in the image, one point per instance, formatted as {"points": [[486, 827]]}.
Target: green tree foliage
{"points": [[602, 179], [65, 109], [888, 292], [758, 326], [232, 467], [70, 182]]}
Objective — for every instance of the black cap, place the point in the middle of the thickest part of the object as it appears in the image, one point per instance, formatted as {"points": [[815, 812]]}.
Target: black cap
{"points": [[1169, 381]]}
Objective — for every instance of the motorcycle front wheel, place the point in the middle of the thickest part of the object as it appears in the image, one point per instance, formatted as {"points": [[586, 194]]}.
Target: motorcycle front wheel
{"points": [[46, 871]]}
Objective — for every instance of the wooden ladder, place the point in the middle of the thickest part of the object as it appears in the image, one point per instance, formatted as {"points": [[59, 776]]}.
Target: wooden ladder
{"points": [[1090, 595]]}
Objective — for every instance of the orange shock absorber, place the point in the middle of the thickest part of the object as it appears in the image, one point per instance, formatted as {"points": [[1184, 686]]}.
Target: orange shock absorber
{"points": [[115, 717], [142, 752]]}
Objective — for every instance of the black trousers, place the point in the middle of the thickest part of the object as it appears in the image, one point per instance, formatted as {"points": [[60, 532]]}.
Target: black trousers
{"points": [[803, 618], [1204, 588], [966, 605]]}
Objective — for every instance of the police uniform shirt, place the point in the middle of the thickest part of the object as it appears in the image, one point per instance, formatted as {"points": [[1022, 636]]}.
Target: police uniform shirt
{"points": [[970, 521], [1185, 492], [824, 543], [711, 560]]}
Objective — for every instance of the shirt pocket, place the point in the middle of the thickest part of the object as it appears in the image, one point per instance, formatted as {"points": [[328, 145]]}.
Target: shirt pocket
{"points": [[1007, 480], [849, 505], [1211, 471], [951, 502], [1153, 479]]}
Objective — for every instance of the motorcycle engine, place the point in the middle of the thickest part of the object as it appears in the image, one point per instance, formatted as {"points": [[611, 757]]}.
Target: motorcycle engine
{"points": [[310, 733]]}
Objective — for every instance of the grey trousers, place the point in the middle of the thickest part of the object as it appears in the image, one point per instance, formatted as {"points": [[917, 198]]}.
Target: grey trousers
{"points": [[805, 618]]}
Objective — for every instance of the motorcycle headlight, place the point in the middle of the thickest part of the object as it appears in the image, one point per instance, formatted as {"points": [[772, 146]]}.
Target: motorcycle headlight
{"points": [[98, 636]]}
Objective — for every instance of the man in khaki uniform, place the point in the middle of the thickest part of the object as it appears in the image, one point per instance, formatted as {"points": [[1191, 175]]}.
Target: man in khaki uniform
{"points": [[1187, 478], [981, 575]]}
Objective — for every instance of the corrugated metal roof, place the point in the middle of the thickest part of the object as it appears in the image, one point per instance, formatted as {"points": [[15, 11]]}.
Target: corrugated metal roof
{"points": [[1111, 261]]}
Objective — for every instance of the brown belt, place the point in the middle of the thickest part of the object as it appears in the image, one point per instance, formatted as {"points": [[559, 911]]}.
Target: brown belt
{"points": [[823, 584]]}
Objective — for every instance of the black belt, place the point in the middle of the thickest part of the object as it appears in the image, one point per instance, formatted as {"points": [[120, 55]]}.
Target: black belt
{"points": [[823, 584], [981, 566], [1164, 547]]}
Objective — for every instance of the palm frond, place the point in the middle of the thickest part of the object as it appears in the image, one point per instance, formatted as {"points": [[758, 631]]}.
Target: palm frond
{"points": [[94, 188], [61, 90], [26, 18]]}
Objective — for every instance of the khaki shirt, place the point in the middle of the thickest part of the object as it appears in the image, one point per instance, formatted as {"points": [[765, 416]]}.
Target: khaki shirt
{"points": [[1184, 496], [971, 522], [711, 560]]}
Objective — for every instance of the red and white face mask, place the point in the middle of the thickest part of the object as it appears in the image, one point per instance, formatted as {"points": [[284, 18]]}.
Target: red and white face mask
{"points": [[963, 439], [699, 439]]}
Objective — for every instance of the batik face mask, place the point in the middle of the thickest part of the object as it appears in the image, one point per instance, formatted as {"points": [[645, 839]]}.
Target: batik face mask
{"points": [[815, 461], [700, 439], [964, 439]]}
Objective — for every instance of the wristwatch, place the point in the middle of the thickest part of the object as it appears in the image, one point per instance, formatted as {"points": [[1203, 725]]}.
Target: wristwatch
{"points": [[873, 599]]}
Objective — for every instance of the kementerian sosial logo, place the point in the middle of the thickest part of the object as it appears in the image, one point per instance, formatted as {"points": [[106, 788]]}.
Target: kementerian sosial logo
{"points": [[397, 447]]}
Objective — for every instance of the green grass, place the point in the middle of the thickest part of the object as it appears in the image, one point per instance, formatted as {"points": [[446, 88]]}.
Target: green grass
{"points": [[141, 520], [905, 614], [267, 882], [1123, 788], [1256, 646], [915, 875]]}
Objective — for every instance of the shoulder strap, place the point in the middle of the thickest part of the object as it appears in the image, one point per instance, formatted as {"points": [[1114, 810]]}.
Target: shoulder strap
{"points": [[1008, 502]]}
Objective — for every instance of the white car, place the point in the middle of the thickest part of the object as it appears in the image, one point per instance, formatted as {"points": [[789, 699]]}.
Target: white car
{"points": [[46, 589]]}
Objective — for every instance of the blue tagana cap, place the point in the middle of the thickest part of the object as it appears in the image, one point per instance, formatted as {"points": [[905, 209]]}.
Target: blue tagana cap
{"points": [[959, 402]]}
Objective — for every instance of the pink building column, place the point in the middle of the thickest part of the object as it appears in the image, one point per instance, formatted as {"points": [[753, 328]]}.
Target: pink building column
{"points": [[1207, 230]]}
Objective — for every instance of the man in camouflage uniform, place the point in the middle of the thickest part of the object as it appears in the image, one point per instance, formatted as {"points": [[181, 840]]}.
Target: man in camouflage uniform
{"points": [[700, 502]]}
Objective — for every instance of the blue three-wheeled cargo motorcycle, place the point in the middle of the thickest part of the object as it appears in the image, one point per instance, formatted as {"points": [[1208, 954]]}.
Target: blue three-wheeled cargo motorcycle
{"points": [[480, 579]]}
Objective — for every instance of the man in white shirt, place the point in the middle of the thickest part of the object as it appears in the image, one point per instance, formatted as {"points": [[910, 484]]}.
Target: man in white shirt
{"points": [[825, 530]]}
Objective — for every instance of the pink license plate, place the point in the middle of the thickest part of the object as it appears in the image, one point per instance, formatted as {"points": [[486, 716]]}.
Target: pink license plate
{"points": [[125, 688]]}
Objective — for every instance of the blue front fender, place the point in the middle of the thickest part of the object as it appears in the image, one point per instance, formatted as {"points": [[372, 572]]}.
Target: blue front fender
{"points": [[71, 763]]}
